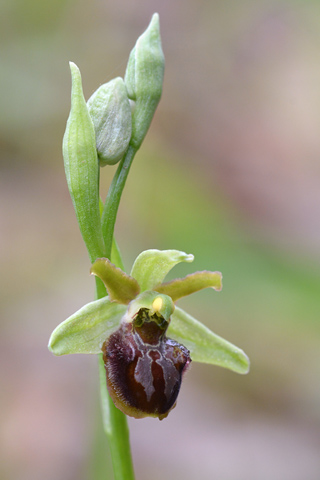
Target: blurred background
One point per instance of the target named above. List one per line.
(230, 171)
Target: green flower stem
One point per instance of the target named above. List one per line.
(109, 214)
(116, 428)
(114, 421)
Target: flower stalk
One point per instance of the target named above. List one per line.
(110, 211)
(116, 429)
(114, 422)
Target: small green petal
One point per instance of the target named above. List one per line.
(204, 345)
(151, 266)
(121, 287)
(180, 287)
(87, 329)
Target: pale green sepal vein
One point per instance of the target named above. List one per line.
(121, 287)
(181, 287)
(151, 266)
(82, 168)
(87, 329)
(204, 345)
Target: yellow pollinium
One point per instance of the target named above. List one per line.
(157, 304)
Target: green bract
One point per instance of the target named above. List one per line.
(144, 79)
(86, 330)
(82, 168)
(110, 110)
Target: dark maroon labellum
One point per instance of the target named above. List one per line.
(144, 367)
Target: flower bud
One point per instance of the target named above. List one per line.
(144, 79)
(110, 110)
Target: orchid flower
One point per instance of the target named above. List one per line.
(146, 340)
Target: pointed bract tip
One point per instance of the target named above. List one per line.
(154, 18)
(154, 25)
(73, 66)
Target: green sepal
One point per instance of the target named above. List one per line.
(87, 329)
(181, 287)
(151, 266)
(121, 288)
(110, 110)
(204, 345)
(144, 79)
(154, 302)
(82, 168)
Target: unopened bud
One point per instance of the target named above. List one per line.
(144, 79)
(110, 110)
